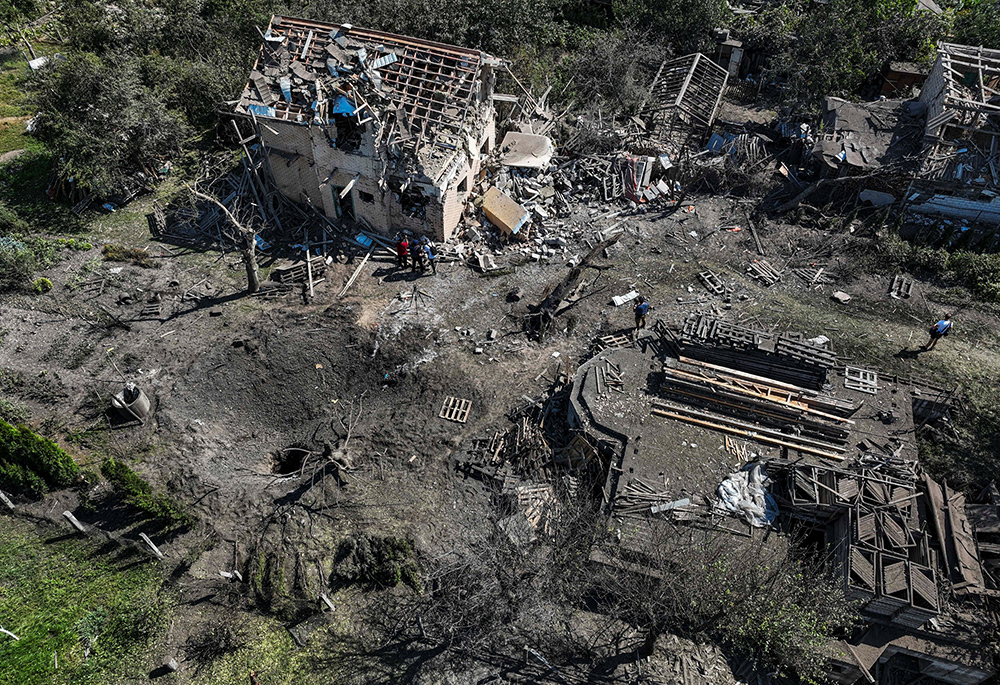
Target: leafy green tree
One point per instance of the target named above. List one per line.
(102, 121)
(978, 23)
(841, 48)
(685, 25)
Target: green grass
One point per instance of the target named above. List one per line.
(57, 595)
(13, 72)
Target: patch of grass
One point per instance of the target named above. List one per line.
(67, 598)
(266, 647)
(41, 285)
(123, 253)
(13, 137)
(23, 185)
(140, 494)
(12, 76)
(39, 388)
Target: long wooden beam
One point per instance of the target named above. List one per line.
(752, 435)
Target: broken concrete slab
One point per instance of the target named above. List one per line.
(841, 297)
(526, 150)
(503, 212)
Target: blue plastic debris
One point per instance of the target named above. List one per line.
(363, 239)
(286, 88)
(262, 111)
(261, 243)
(343, 106)
(108, 207)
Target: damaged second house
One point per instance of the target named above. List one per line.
(382, 129)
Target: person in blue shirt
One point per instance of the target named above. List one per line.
(938, 331)
(429, 253)
(641, 308)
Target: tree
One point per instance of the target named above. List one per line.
(978, 23)
(245, 239)
(841, 48)
(102, 122)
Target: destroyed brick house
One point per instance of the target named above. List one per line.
(837, 443)
(959, 177)
(383, 129)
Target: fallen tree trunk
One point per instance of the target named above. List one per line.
(549, 307)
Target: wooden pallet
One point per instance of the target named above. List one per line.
(152, 310)
(900, 288)
(606, 341)
(712, 282)
(455, 409)
(861, 379)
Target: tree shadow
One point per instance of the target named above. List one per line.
(207, 303)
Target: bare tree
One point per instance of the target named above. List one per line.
(245, 241)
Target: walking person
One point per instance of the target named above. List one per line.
(402, 248)
(429, 254)
(938, 331)
(641, 309)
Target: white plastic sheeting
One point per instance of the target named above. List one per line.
(744, 493)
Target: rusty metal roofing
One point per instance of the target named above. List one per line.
(306, 70)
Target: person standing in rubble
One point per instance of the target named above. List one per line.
(938, 331)
(428, 248)
(641, 309)
(417, 258)
(402, 248)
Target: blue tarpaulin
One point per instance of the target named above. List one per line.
(262, 111)
(343, 106)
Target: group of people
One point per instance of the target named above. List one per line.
(420, 254)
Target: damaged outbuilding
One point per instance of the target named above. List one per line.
(370, 126)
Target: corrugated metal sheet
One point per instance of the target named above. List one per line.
(959, 208)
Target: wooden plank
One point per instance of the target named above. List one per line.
(156, 550)
(6, 501)
(966, 555)
(74, 522)
(750, 434)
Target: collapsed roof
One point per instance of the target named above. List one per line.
(416, 94)
(687, 91)
(962, 94)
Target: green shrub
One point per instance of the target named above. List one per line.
(45, 458)
(380, 561)
(29, 463)
(17, 479)
(12, 412)
(140, 494)
(42, 285)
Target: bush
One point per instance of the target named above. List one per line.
(17, 479)
(12, 412)
(140, 494)
(17, 265)
(29, 463)
(45, 458)
(42, 285)
(380, 561)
